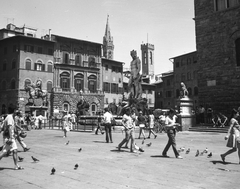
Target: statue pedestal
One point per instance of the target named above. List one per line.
(185, 106)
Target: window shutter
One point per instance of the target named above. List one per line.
(35, 66)
(43, 67)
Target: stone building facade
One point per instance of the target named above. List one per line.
(217, 24)
(112, 76)
(185, 69)
(77, 74)
(24, 60)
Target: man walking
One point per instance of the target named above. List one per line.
(107, 117)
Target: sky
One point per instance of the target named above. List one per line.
(167, 24)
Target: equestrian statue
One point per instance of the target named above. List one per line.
(35, 92)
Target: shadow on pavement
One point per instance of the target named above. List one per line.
(159, 156)
(59, 136)
(2, 168)
(99, 141)
(221, 162)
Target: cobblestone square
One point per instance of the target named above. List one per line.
(102, 166)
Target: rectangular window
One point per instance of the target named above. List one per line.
(114, 88)
(50, 51)
(39, 50)
(4, 66)
(14, 48)
(168, 82)
(5, 50)
(106, 67)
(177, 64)
(224, 4)
(106, 87)
(29, 48)
(106, 100)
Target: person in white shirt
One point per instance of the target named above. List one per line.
(107, 118)
(9, 138)
(170, 125)
(129, 130)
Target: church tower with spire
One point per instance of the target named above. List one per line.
(108, 47)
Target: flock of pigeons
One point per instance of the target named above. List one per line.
(197, 153)
(35, 160)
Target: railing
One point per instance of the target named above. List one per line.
(84, 123)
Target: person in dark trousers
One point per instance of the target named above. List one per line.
(170, 125)
(107, 117)
(99, 121)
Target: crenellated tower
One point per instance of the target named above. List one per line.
(147, 59)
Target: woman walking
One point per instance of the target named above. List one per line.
(233, 136)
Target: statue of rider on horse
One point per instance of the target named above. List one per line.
(35, 92)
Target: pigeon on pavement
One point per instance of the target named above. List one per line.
(197, 153)
(20, 159)
(53, 171)
(149, 144)
(76, 166)
(188, 150)
(80, 149)
(35, 159)
(209, 155)
(67, 143)
(206, 150)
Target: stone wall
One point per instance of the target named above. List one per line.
(219, 75)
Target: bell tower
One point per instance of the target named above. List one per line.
(108, 47)
(147, 59)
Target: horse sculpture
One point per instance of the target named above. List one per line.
(35, 92)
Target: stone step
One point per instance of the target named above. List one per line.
(209, 129)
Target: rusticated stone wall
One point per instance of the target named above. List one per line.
(219, 75)
(59, 98)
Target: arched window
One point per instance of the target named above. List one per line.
(27, 82)
(195, 91)
(28, 64)
(50, 67)
(39, 66)
(65, 81)
(78, 82)
(237, 49)
(93, 109)
(13, 84)
(49, 86)
(92, 83)
(77, 60)
(66, 107)
(189, 91)
(13, 64)
(4, 85)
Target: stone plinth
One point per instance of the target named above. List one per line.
(186, 117)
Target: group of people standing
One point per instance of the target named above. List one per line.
(130, 120)
(69, 122)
